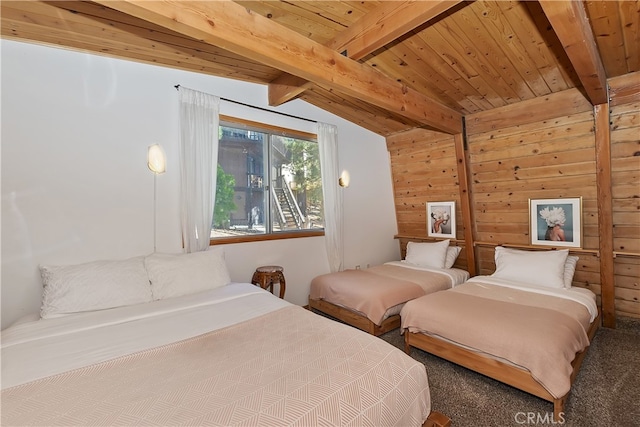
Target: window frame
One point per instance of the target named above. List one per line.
(280, 235)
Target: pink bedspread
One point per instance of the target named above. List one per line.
(540, 333)
(373, 291)
(288, 367)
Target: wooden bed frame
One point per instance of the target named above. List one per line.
(354, 319)
(503, 372)
(437, 419)
(360, 321)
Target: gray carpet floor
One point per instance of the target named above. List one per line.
(606, 391)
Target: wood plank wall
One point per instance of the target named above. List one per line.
(543, 148)
(424, 169)
(625, 174)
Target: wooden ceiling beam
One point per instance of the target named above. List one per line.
(386, 24)
(234, 28)
(571, 24)
(285, 88)
(371, 32)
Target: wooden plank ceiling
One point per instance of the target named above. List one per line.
(388, 66)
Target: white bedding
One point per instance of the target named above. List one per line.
(34, 350)
(457, 275)
(234, 355)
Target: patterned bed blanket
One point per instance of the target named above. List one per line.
(287, 367)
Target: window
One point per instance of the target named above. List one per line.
(268, 183)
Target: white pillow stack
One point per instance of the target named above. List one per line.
(429, 254)
(452, 255)
(184, 274)
(550, 269)
(93, 286)
(569, 270)
(100, 285)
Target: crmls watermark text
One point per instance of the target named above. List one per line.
(533, 418)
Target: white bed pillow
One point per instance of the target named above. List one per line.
(537, 268)
(93, 286)
(452, 255)
(569, 270)
(427, 254)
(174, 275)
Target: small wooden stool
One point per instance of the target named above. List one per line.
(267, 275)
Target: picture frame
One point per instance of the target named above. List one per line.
(556, 222)
(441, 219)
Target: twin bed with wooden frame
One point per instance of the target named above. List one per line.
(169, 341)
(371, 299)
(524, 325)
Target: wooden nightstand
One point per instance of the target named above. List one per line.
(267, 275)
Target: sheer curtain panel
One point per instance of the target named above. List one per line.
(333, 228)
(199, 120)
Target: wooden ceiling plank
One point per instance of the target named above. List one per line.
(486, 81)
(570, 22)
(385, 24)
(412, 55)
(417, 54)
(371, 32)
(532, 42)
(350, 8)
(483, 93)
(353, 111)
(467, 19)
(553, 44)
(404, 65)
(297, 18)
(340, 12)
(495, 23)
(232, 27)
(630, 22)
(473, 44)
(605, 21)
(437, 52)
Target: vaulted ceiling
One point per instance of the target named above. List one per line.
(385, 65)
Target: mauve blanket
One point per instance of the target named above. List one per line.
(539, 333)
(286, 368)
(375, 290)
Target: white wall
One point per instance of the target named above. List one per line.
(76, 188)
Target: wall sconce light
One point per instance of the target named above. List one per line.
(156, 159)
(344, 179)
(157, 163)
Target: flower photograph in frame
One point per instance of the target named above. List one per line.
(441, 219)
(556, 222)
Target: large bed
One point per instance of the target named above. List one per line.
(371, 299)
(521, 326)
(231, 355)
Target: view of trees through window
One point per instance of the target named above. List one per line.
(267, 182)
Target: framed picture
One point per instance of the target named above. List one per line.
(556, 222)
(441, 219)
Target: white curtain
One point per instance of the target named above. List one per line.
(199, 120)
(332, 194)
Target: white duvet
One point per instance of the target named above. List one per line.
(42, 348)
